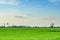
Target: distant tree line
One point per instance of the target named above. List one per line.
(14, 26)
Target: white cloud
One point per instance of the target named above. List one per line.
(53, 1)
(51, 18)
(10, 2)
(19, 17)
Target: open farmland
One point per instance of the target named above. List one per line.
(29, 33)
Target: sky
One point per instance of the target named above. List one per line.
(30, 12)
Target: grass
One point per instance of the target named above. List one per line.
(29, 33)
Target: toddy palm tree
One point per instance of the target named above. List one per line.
(52, 25)
(7, 23)
(4, 24)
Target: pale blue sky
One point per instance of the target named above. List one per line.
(30, 12)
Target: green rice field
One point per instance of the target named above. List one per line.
(29, 33)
